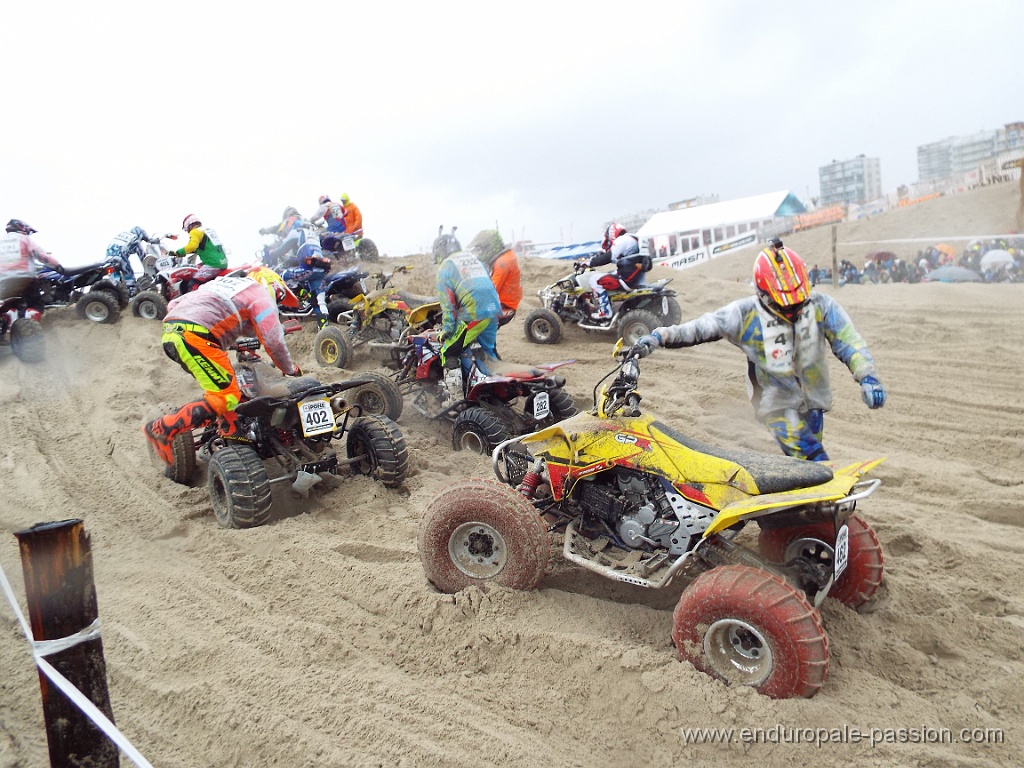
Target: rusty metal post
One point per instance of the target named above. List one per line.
(56, 559)
(835, 259)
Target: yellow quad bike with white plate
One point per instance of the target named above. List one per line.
(380, 319)
(640, 502)
(636, 311)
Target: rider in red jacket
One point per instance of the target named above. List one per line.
(19, 250)
(199, 329)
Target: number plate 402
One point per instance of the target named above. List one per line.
(316, 417)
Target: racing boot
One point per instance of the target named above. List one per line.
(230, 428)
(453, 385)
(604, 306)
(320, 310)
(161, 432)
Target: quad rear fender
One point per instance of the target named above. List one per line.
(837, 488)
(552, 366)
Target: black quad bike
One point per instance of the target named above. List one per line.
(97, 291)
(291, 426)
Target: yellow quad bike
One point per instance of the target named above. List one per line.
(635, 311)
(380, 319)
(640, 502)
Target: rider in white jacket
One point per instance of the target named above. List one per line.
(622, 249)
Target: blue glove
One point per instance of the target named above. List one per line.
(872, 391)
(646, 344)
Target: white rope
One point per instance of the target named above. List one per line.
(41, 648)
(50, 647)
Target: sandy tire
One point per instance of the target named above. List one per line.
(562, 404)
(99, 306)
(149, 305)
(124, 296)
(478, 533)
(379, 444)
(380, 396)
(637, 323)
(747, 626)
(239, 488)
(332, 347)
(674, 316)
(862, 578)
(27, 340)
(542, 326)
(183, 467)
(478, 430)
(337, 307)
(367, 250)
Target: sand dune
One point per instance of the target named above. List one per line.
(316, 640)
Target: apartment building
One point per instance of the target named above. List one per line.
(850, 181)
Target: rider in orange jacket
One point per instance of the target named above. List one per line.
(353, 216)
(503, 267)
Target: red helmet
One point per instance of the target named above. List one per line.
(325, 199)
(191, 221)
(780, 277)
(610, 234)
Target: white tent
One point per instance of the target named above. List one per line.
(741, 210)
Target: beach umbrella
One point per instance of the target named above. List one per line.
(953, 275)
(880, 256)
(996, 256)
(947, 249)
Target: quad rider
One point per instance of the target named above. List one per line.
(469, 313)
(199, 329)
(783, 331)
(622, 249)
(503, 267)
(289, 220)
(330, 214)
(353, 216)
(206, 244)
(21, 253)
(125, 245)
(445, 245)
(304, 243)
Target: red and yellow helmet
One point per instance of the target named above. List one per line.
(780, 277)
(278, 289)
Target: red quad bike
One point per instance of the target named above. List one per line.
(291, 426)
(19, 322)
(169, 283)
(501, 399)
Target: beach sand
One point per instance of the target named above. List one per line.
(317, 641)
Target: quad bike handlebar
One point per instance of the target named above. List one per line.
(620, 397)
(383, 278)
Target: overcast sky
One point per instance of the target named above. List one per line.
(547, 118)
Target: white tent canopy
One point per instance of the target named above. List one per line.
(743, 209)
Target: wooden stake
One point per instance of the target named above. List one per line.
(56, 559)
